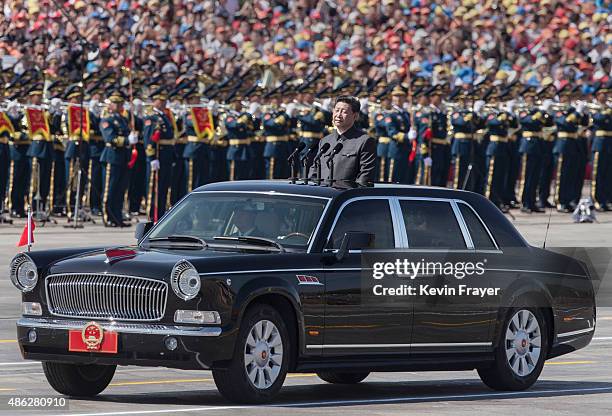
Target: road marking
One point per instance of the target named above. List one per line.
(354, 402)
(7, 341)
(569, 362)
(602, 339)
(21, 363)
(2, 389)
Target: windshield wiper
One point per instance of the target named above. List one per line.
(253, 240)
(180, 239)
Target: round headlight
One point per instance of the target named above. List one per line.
(185, 280)
(24, 273)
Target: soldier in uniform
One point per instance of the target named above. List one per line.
(398, 126)
(602, 150)
(116, 133)
(566, 150)
(465, 122)
(276, 125)
(380, 134)
(137, 167)
(423, 131)
(159, 141)
(40, 151)
(311, 122)
(20, 169)
(514, 160)
(178, 186)
(240, 131)
(96, 146)
(548, 142)
(532, 121)
(58, 169)
(197, 148)
(76, 154)
(7, 130)
(497, 124)
(439, 155)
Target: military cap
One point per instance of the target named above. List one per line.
(604, 88)
(116, 96)
(36, 89)
(529, 91)
(72, 91)
(398, 91)
(159, 94)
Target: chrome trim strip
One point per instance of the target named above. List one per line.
(467, 238)
(419, 345)
(535, 271)
(154, 329)
(321, 269)
(401, 240)
(577, 332)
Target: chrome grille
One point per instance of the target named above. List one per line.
(102, 296)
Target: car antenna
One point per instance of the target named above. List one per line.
(547, 227)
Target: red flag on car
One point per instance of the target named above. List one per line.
(27, 235)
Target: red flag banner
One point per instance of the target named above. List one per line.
(27, 238)
(202, 122)
(38, 123)
(78, 118)
(5, 124)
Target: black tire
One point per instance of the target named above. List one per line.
(78, 380)
(500, 375)
(233, 381)
(342, 378)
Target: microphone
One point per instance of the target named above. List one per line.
(314, 146)
(298, 150)
(334, 152)
(323, 149)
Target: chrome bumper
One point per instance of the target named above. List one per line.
(129, 328)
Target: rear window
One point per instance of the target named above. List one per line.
(431, 225)
(478, 232)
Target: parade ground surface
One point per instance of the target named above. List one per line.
(577, 383)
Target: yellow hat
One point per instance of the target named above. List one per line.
(376, 40)
(299, 66)
(547, 81)
(501, 75)
(512, 10)
(583, 25)
(564, 34)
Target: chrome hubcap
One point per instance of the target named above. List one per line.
(263, 354)
(523, 342)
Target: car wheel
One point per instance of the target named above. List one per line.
(520, 352)
(78, 380)
(342, 378)
(261, 358)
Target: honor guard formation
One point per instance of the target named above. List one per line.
(117, 109)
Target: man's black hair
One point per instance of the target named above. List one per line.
(350, 100)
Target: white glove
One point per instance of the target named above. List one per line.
(580, 107)
(478, 105)
(133, 137)
(155, 165)
(427, 161)
(546, 104)
(55, 105)
(510, 106)
(412, 134)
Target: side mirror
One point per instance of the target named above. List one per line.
(354, 241)
(141, 229)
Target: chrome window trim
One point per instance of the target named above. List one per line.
(269, 193)
(362, 198)
(462, 225)
(398, 222)
(460, 201)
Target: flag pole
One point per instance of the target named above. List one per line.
(29, 227)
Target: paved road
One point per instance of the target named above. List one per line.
(573, 384)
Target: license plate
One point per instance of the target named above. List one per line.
(92, 338)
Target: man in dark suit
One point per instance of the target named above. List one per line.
(356, 160)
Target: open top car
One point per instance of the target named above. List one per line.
(255, 279)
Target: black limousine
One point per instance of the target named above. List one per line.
(255, 279)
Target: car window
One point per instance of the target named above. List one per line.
(480, 236)
(431, 224)
(370, 216)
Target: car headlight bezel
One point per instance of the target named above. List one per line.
(185, 280)
(23, 273)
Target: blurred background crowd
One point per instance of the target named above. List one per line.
(511, 39)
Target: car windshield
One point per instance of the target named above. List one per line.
(284, 219)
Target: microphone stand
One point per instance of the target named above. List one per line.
(330, 164)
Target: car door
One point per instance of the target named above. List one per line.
(356, 322)
(445, 318)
